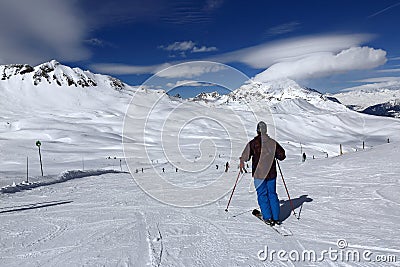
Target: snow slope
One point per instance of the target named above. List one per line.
(76, 114)
(368, 95)
(108, 219)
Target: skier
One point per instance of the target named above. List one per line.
(304, 157)
(263, 150)
(226, 166)
(163, 170)
(216, 166)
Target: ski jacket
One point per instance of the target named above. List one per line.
(263, 150)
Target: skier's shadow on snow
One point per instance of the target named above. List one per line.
(286, 208)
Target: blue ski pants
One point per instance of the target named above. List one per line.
(267, 198)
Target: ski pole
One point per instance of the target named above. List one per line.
(233, 190)
(284, 183)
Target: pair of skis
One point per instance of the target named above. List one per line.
(280, 229)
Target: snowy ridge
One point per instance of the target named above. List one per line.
(360, 99)
(54, 72)
(273, 92)
(389, 109)
(27, 89)
(269, 93)
(63, 177)
(207, 97)
(280, 96)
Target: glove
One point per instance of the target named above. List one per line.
(241, 165)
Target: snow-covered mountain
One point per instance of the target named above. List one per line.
(53, 72)
(54, 86)
(360, 99)
(207, 97)
(284, 96)
(273, 92)
(389, 109)
(64, 107)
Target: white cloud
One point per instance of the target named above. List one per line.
(264, 55)
(186, 46)
(188, 83)
(389, 70)
(203, 49)
(325, 63)
(392, 84)
(123, 69)
(190, 70)
(179, 46)
(388, 82)
(36, 31)
(98, 42)
(161, 70)
(379, 79)
(283, 28)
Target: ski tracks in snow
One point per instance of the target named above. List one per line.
(182, 238)
(98, 228)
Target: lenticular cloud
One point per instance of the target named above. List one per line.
(325, 63)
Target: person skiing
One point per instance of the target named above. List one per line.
(263, 150)
(304, 156)
(226, 166)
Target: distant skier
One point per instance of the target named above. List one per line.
(163, 170)
(263, 150)
(216, 166)
(142, 169)
(176, 169)
(226, 166)
(304, 156)
(388, 141)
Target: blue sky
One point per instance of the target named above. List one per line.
(327, 45)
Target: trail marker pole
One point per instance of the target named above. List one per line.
(27, 170)
(38, 144)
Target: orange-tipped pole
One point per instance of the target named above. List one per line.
(291, 202)
(233, 190)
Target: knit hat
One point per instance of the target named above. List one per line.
(262, 127)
